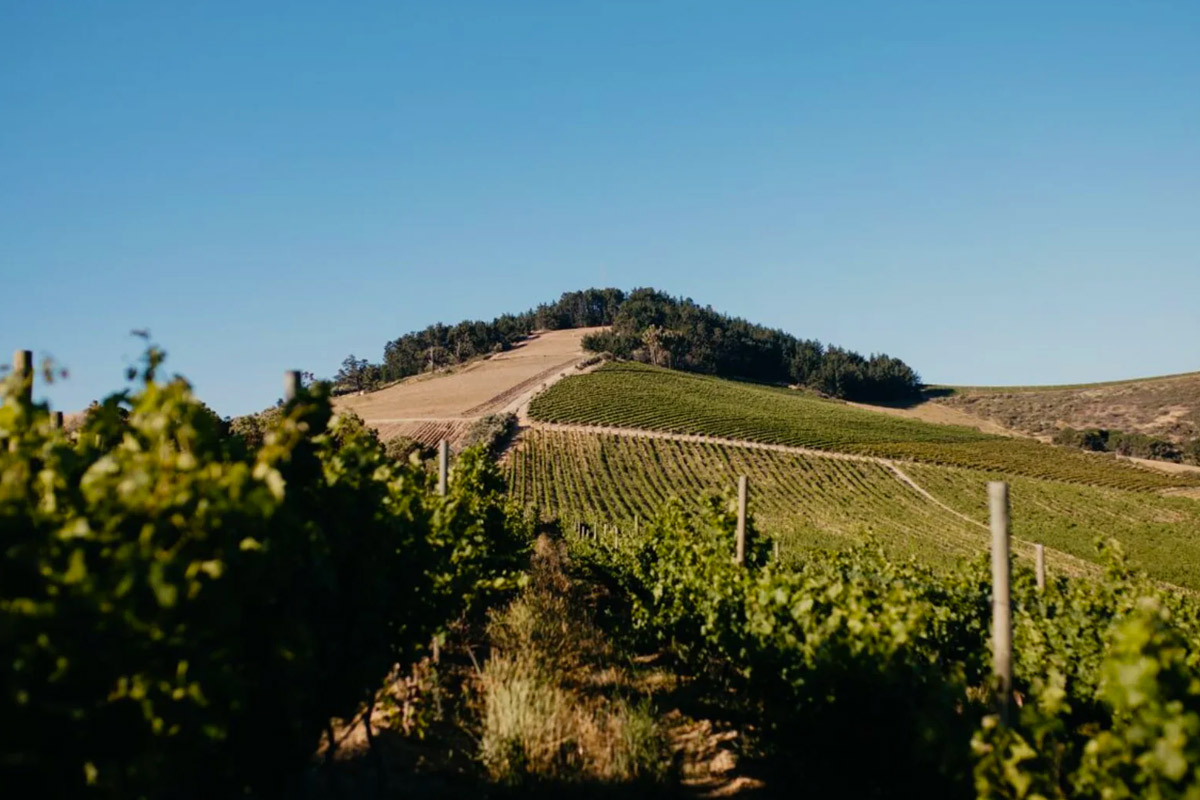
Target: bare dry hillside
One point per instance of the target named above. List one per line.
(1167, 407)
(443, 404)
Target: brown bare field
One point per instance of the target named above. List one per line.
(442, 404)
(940, 414)
(1168, 407)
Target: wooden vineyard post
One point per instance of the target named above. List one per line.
(443, 466)
(435, 646)
(23, 366)
(1001, 603)
(291, 384)
(740, 555)
(56, 419)
(1039, 555)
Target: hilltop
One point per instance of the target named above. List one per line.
(652, 327)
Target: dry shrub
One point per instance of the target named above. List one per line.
(537, 730)
(557, 704)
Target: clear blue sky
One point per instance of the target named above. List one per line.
(995, 192)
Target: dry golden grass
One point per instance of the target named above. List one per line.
(558, 704)
(940, 414)
(1167, 407)
(481, 387)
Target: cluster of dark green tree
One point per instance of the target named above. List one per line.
(445, 345)
(183, 611)
(1138, 445)
(866, 677)
(654, 327)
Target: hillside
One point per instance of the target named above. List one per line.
(1167, 407)
(442, 405)
(608, 448)
(651, 327)
(638, 396)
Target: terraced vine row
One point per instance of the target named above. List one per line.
(803, 501)
(1160, 534)
(427, 432)
(639, 396)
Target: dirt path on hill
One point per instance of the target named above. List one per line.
(1169, 467)
(520, 405)
(398, 420)
(921, 490)
(703, 439)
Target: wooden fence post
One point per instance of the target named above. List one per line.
(1039, 555)
(23, 366)
(291, 384)
(1001, 603)
(740, 555)
(443, 466)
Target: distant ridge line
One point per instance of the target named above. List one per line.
(1059, 387)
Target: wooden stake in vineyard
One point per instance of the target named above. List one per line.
(291, 384)
(1039, 555)
(23, 366)
(1001, 602)
(740, 555)
(435, 646)
(443, 466)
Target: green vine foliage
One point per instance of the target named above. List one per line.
(181, 615)
(847, 658)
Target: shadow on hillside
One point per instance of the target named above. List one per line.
(926, 396)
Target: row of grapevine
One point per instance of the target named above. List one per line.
(871, 679)
(638, 396)
(426, 432)
(182, 615)
(1157, 532)
(804, 501)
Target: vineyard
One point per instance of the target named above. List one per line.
(1158, 533)
(184, 614)
(804, 501)
(808, 501)
(850, 659)
(638, 396)
(424, 431)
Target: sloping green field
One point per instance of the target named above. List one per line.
(1062, 498)
(804, 501)
(1160, 534)
(812, 501)
(638, 396)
